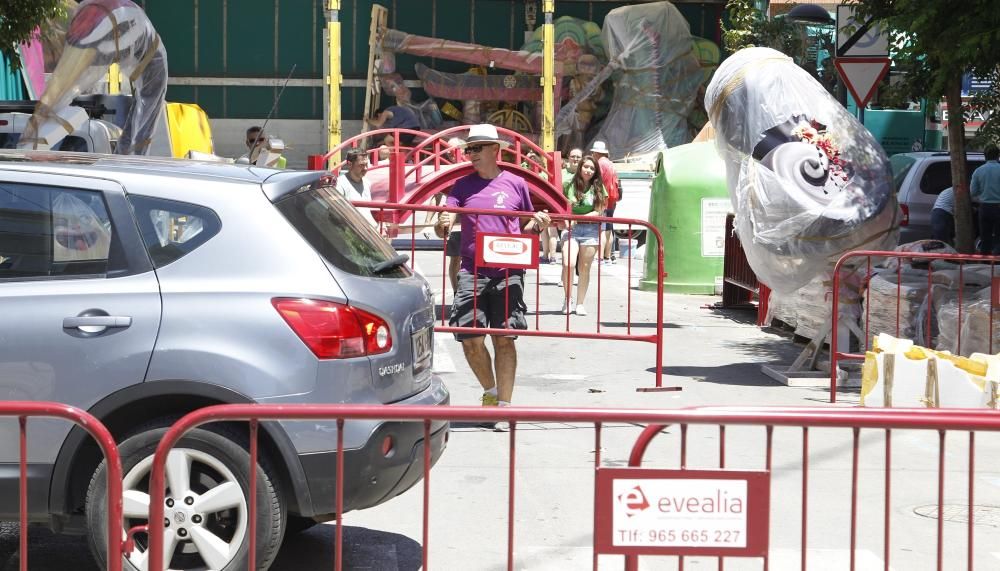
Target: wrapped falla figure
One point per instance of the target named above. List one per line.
(807, 181)
(103, 32)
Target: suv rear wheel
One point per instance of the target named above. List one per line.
(207, 507)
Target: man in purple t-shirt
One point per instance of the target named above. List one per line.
(489, 297)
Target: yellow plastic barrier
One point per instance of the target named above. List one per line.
(189, 129)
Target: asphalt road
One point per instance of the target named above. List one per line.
(364, 550)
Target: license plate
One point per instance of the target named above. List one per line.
(422, 349)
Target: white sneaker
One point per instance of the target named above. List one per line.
(581, 310)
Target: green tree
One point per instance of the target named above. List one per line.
(18, 21)
(749, 27)
(935, 42)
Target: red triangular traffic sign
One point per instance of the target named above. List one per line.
(862, 75)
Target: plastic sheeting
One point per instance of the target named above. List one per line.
(656, 79)
(808, 182)
(401, 42)
(101, 33)
(464, 86)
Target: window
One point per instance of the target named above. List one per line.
(170, 229)
(70, 143)
(340, 233)
(901, 165)
(51, 232)
(937, 177)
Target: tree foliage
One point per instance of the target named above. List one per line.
(749, 27)
(935, 42)
(18, 21)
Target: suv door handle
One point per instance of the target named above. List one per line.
(96, 321)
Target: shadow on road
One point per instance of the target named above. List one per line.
(364, 550)
(743, 374)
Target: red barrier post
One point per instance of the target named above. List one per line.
(798, 417)
(26, 409)
(835, 354)
(316, 162)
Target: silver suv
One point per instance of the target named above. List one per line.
(919, 179)
(142, 289)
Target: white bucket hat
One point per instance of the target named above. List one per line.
(484, 133)
(599, 147)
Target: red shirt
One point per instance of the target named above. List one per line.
(610, 179)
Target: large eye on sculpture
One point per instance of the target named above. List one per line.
(805, 166)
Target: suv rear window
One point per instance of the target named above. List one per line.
(339, 232)
(937, 176)
(901, 164)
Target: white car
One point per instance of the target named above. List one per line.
(94, 136)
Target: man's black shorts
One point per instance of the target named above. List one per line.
(499, 303)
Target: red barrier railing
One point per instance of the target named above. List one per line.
(739, 282)
(433, 150)
(960, 260)
(938, 422)
(655, 338)
(24, 410)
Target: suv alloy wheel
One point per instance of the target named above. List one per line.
(206, 507)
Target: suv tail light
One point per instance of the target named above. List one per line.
(905, 220)
(334, 330)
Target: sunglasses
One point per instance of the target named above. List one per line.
(475, 148)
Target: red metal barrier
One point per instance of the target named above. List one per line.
(959, 259)
(383, 209)
(25, 409)
(938, 422)
(739, 282)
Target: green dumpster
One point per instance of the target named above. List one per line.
(688, 205)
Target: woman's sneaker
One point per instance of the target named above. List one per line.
(581, 310)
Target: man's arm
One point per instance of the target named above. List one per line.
(977, 186)
(444, 223)
(380, 119)
(539, 221)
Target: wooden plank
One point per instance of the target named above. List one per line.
(373, 90)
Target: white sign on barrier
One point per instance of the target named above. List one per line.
(682, 512)
(515, 251)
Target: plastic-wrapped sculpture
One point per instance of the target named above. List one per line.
(808, 182)
(103, 32)
(656, 79)
(580, 48)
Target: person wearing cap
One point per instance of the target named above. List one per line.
(613, 189)
(489, 297)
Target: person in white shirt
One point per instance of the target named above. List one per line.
(943, 216)
(352, 184)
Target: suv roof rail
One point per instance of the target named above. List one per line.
(947, 154)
